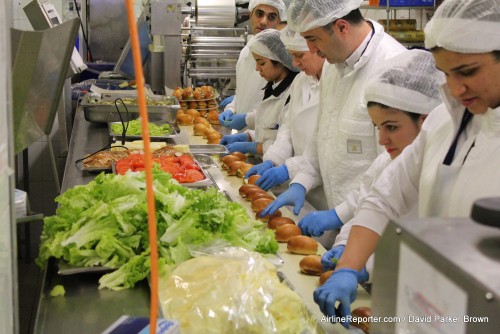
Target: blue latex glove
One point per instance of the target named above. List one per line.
(226, 101)
(295, 195)
(341, 286)
(248, 147)
(273, 177)
(327, 260)
(259, 169)
(237, 121)
(314, 224)
(225, 116)
(236, 138)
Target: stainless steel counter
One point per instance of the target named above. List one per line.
(85, 309)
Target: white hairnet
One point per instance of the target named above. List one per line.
(278, 4)
(268, 44)
(304, 15)
(293, 40)
(408, 82)
(465, 26)
(287, 4)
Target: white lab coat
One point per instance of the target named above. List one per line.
(249, 84)
(346, 142)
(267, 118)
(298, 131)
(420, 175)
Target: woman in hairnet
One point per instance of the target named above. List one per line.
(398, 99)
(275, 65)
(454, 161)
(300, 122)
(264, 14)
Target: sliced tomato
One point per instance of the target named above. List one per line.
(186, 160)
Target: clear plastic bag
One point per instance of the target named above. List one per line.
(232, 291)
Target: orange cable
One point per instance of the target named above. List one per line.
(139, 78)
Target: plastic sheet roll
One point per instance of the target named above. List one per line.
(219, 13)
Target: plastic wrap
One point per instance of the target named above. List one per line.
(233, 291)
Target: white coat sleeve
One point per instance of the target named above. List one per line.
(233, 105)
(284, 110)
(395, 192)
(350, 205)
(250, 120)
(304, 169)
(282, 148)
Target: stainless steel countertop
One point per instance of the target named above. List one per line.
(86, 309)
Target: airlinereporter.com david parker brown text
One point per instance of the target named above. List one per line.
(406, 318)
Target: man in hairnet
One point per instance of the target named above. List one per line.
(346, 140)
(264, 14)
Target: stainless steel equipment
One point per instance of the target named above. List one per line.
(437, 276)
(198, 42)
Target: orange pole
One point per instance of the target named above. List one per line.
(139, 78)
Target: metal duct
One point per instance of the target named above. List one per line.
(219, 13)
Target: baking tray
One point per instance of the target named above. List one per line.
(171, 134)
(208, 149)
(96, 112)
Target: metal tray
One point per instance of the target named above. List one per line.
(208, 149)
(207, 182)
(65, 269)
(205, 161)
(96, 112)
(171, 134)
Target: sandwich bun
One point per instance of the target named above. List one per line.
(303, 245)
(261, 204)
(274, 222)
(324, 276)
(266, 218)
(311, 265)
(286, 232)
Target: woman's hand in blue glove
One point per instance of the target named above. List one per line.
(226, 101)
(236, 138)
(225, 116)
(247, 147)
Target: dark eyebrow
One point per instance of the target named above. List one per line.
(389, 121)
(461, 67)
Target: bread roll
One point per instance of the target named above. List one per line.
(324, 276)
(208, 131)
(267, 218)
(233, 167)
(227, 160)
(240, 155)
(253, 192)
(193, 112)
(286, 232)
(252, 179)
(246, 187)
(213, 117)
(213, 136)
(199, 129)
(214, 141)
(244, 169)
(311, 265)
(185, 119)
(256, 196)
(261, 204)
(274, 222)
(303, 245)
(365, 313)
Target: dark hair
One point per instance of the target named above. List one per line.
(414, 116)
(354, 17)
(495, 53)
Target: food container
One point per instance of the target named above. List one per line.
(171, 134)
(101, 108)
(208, 149)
